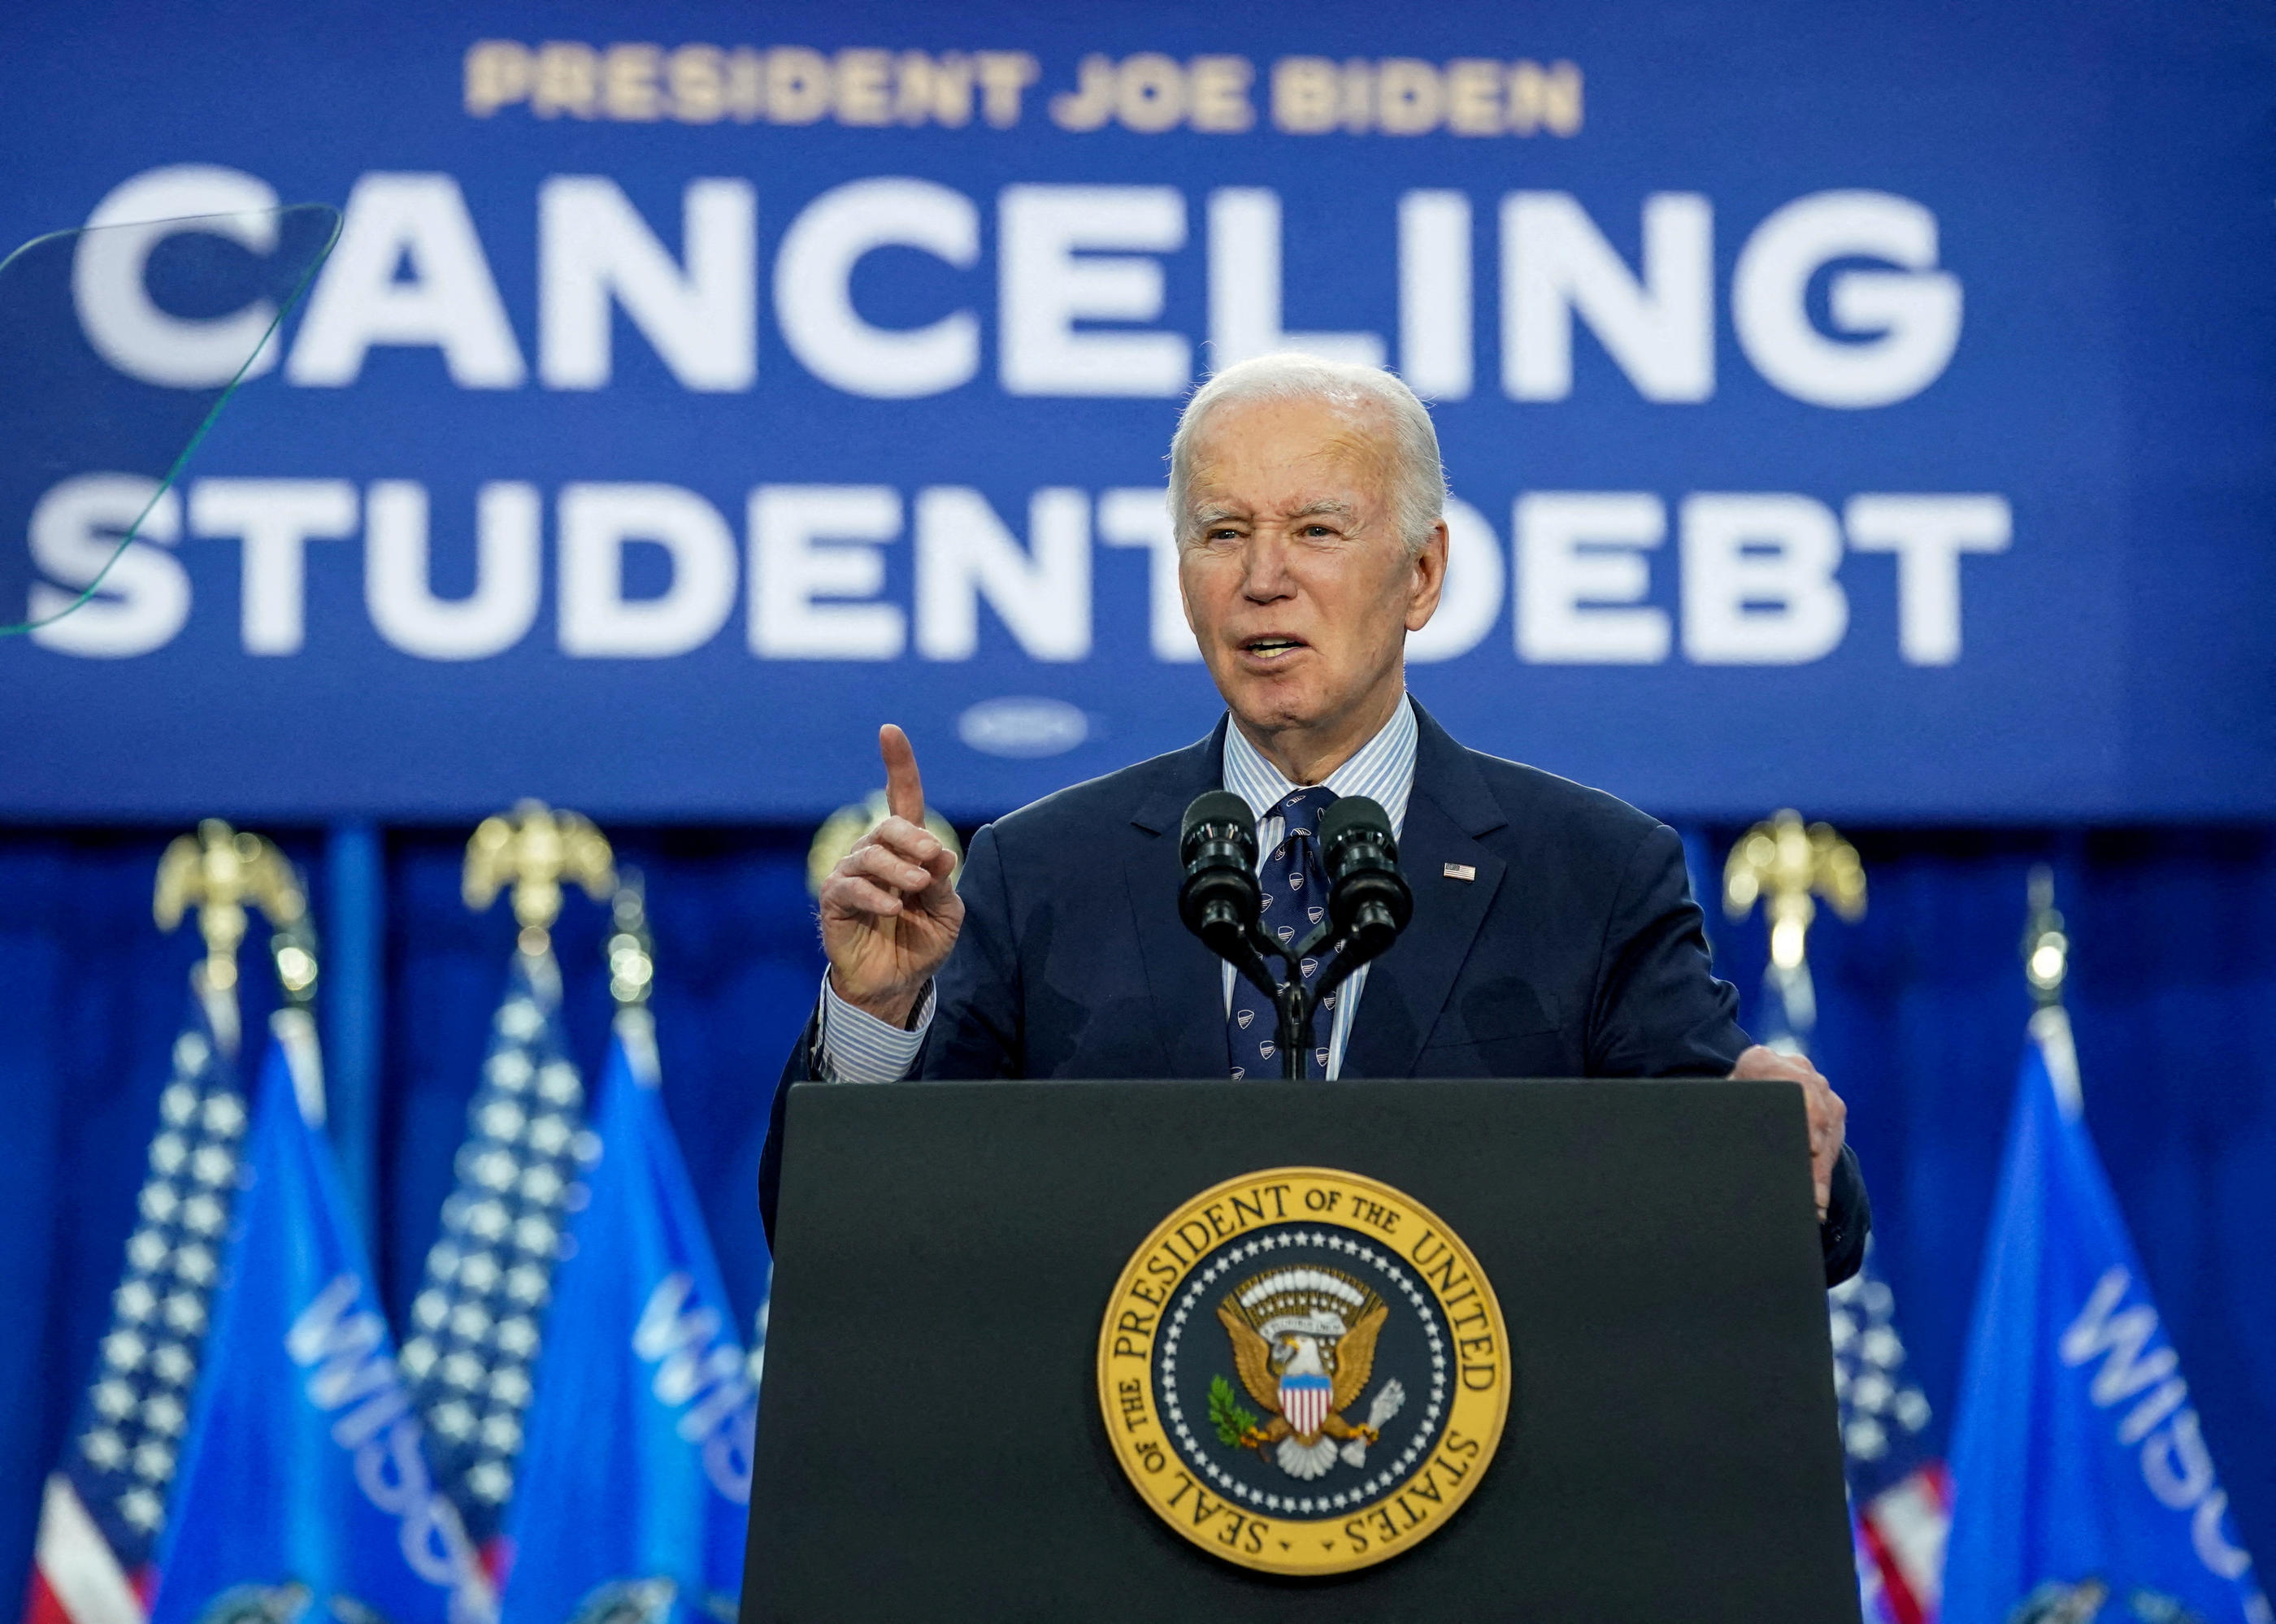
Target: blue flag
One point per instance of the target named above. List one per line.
(636, 1470)
(305, 1491)
(2082, 1488)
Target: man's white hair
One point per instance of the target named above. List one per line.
(1418, 479)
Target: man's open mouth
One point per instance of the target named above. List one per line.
(1269, 646)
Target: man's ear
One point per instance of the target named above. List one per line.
(1426, 579)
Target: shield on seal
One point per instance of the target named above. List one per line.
(1304, 1401)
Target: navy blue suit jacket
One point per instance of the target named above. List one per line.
(1575, 951)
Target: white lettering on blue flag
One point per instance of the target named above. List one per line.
(700, 1373)
(2175, 1464)
(344, 1348)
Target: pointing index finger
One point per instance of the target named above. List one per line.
(904, 788)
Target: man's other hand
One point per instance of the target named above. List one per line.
(889, 913)
(1828, 1116)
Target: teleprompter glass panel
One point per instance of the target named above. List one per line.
(119, 345)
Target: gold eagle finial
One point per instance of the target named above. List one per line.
(533, 849)
(1783, 862)
(217, 871)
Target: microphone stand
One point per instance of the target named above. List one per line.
(1368, 904)
(1294, 1003)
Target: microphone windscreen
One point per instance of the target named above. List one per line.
(1216, 806)
(1354, 814)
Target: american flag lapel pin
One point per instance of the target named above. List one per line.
(1460, 871)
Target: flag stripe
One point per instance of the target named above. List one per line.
(75, 1563)
(1909, 1524)
(1896, 1590)
(40, 1603)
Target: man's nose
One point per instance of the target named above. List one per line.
(1266, 578)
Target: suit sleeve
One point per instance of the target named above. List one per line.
(799, 1069)
(1660, 1012)
(975, 1024)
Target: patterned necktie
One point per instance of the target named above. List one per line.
(1296, 900)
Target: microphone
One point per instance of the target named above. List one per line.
(1367, 898)
(1218, 897)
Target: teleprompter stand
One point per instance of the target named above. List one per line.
(930, 1442)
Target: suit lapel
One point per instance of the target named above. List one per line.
(1184, 980)
(1409, 986)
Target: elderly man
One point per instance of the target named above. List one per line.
(1553, 935)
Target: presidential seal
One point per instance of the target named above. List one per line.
(1303, 1372)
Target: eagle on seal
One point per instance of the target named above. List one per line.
(1303, 1340)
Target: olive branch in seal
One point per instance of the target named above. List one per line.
(1231, 1422)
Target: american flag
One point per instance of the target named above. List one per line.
(476, 1322)
(1898, 1486)
(105, 1507)
(1899, 1493)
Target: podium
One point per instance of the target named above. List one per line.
(931, 1440)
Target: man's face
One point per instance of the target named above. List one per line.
(1295, 580)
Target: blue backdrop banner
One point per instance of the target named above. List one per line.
(1838, 398)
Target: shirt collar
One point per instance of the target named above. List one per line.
(1383, 770)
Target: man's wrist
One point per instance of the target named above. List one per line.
(854, 1045)
(896, 1009)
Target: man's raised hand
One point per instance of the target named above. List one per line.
(889, 913)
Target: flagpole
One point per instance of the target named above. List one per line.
(354, 923)
(293, 951)
(2046, 966)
